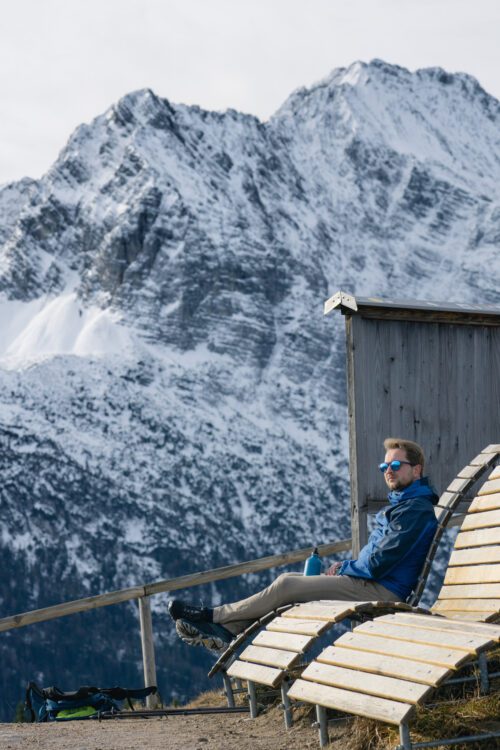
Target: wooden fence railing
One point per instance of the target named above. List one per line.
(143, 593)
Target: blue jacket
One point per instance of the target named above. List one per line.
(398, 545)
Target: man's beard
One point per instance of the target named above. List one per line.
(399, 484)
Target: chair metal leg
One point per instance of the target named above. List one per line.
(228, 689)
(404, 736)
(252, 699)
(323, 725)
(484, 681)
(287, 708)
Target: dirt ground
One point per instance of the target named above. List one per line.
(206, 732)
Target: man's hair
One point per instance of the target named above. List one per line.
(414, 452)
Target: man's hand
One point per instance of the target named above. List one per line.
(333, 569)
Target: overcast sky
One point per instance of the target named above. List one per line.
(62, 62)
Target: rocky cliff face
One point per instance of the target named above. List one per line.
(171, 397)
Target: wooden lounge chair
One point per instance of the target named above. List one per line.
(290, 632)
(385, 667)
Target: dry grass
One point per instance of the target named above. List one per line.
(209, 699)
(450, 719)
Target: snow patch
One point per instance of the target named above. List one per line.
(51, 326)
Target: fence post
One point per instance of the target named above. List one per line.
(148, 648)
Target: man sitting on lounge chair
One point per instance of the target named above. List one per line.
(387, 568)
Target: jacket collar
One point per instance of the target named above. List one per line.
(418, 488)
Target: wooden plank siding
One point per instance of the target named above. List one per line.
(432, 382)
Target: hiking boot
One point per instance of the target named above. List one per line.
(180, 611)
(216, 640)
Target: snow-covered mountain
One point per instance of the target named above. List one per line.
(171, 398)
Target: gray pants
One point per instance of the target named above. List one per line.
(289, 588)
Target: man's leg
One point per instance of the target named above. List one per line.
(289, 588)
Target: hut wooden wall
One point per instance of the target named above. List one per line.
(437, 383)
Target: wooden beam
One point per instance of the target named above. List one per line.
(341, 300)
(70, 608)
(424, 316)
(359, 516)
(148, 648)
(172, 584)
(230, 571)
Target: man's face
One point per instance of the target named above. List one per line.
(398, 480)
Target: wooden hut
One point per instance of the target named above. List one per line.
(426, 371)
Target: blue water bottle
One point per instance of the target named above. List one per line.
(313, 564)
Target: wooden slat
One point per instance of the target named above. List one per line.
(495, 474)
(285, 641)
(320, 611)
(473, 574)
(478, 538)
(443, 623)
(492, 485)
(458, 485)
(485, 520)
(362, 682)
(444, 657)
(467, 642)
(443, 518)
(469, 471)
(448, 499)
(466, 605)
(440, 513)
(475, 556)
(392, 712)
(480, 618)
(483, 458)
(305, 627)
(271, 657)
(471, 591)
(492, 448)
(405, 669)
(245, 670)
(485, 502)
(331, 610)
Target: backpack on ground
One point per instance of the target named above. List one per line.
(53, 704)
